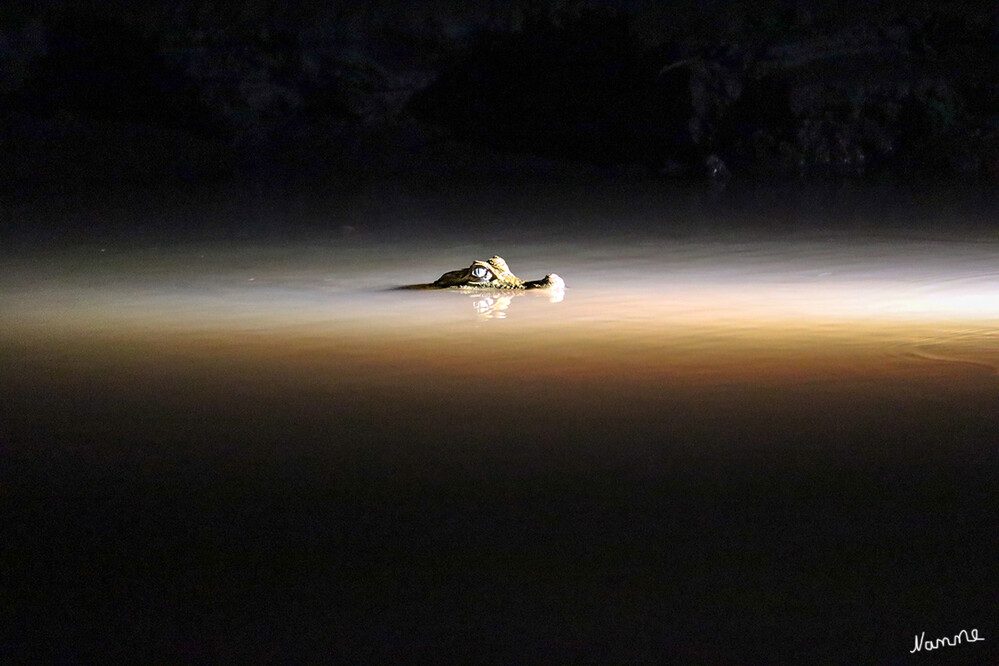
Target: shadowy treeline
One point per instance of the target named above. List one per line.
(198, 89)
(780, 93)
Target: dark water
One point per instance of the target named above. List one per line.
(719, 447)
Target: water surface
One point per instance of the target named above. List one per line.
(739, 447)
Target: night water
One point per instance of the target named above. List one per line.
(722, 444)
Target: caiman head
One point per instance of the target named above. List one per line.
(493, 274)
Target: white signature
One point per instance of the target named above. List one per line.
(963, 636)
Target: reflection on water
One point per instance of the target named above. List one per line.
(734, 451)
(494, 303)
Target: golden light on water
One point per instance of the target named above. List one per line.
(763, 313)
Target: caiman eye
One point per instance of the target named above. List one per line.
(479, 273)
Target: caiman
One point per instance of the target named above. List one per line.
(492, 274)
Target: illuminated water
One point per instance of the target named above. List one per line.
(738, 447)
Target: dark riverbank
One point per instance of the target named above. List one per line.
(188, 92)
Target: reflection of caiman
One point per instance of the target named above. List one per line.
(492, 274)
